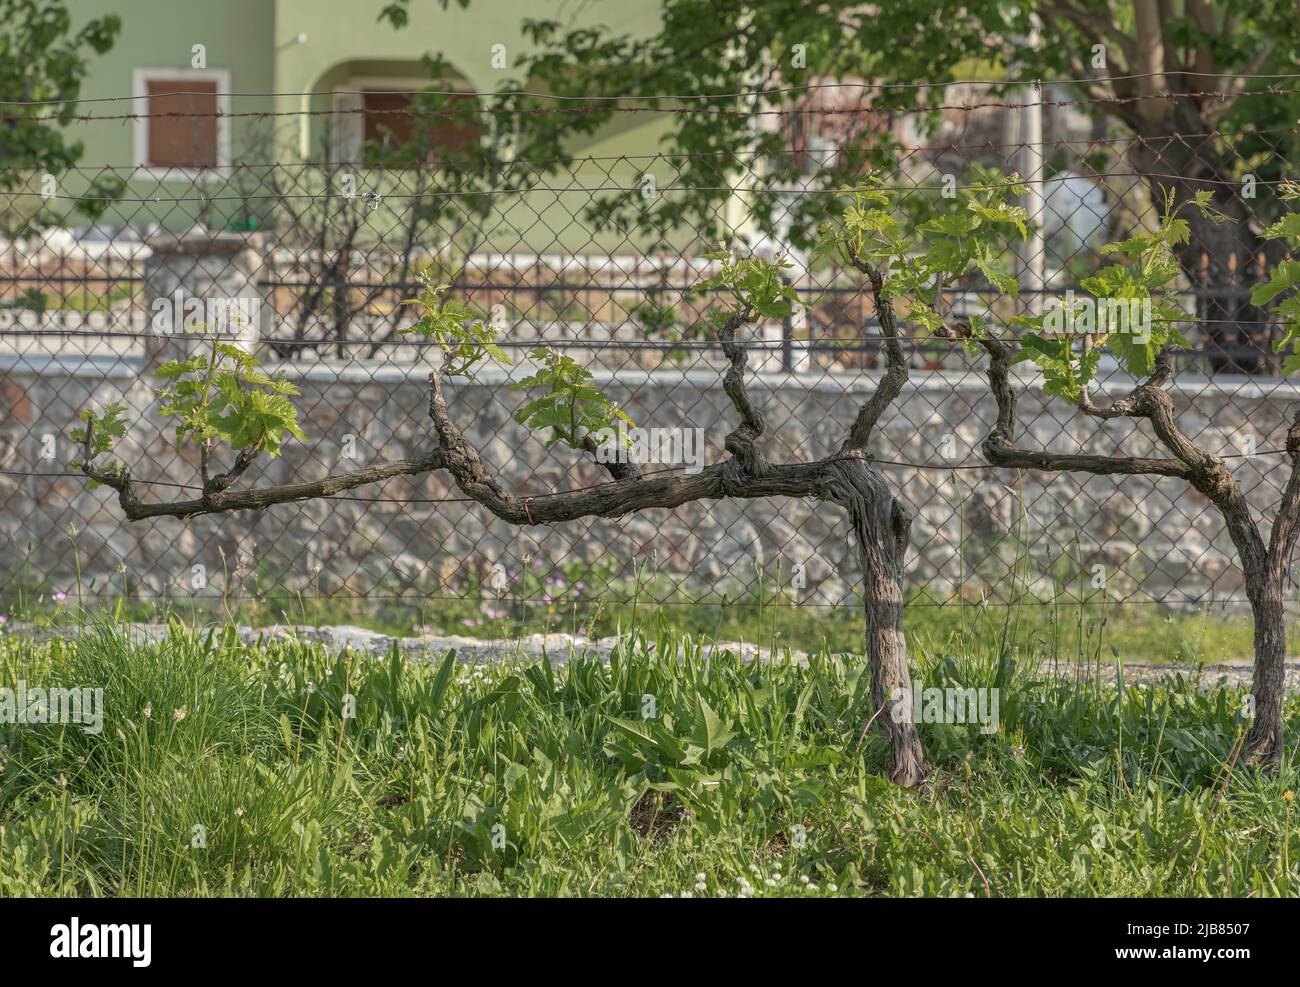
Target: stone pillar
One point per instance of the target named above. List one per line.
(200, 283)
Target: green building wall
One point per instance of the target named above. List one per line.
(299, 47)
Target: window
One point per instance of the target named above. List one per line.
(179, 131)
(373, 115)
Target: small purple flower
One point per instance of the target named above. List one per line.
(60, 596)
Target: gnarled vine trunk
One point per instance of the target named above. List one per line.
(1265, 593)
(880, 528)
(880, 523)
(1263, 562)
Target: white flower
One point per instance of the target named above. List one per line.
(148, 711)
(178, 715)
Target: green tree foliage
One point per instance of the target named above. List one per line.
(42, 64)
(706, 52)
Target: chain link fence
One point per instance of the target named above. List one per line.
(98, 288)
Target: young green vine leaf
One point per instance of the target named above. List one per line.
(98, 434)
(464, 336)
(753, 285)
(224, 396)
(1131, 314)
(920, 261)
(572, 406)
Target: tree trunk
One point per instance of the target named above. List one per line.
(1263, 578)
(1265, 591)
(881, 527)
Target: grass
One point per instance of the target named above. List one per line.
(224, 769)
(1140, 632)
(596, 599)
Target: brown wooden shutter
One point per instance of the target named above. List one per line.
(183, 141)
(446, 134)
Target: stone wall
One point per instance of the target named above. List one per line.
(1155, 538)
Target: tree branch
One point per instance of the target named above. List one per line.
(1199, 467)
(619, 470)
(1000, 448)
(246, 457)
(740, 442)
(219, 502)
(891, 385)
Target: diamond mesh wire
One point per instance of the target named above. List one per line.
(330, 252)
